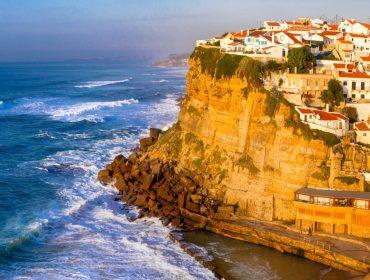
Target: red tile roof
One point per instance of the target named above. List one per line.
(241, 34)
(358, 35)
(333, 26)
(272, 23)
(366, 58)
(363, 126)
(257, 33)
(367, 25)
(330, 33)
(324, 116)
(343, 66)
(344, 41)
(303, 28)
(358, 75)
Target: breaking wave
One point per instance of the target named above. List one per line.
(160, 81)
(93, 84)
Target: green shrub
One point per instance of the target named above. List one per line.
(208, 58)
(247, 162)
(193, 111)
(227, 65)
(348, 180)
(351, 113)
(197, 162)
(323, 174)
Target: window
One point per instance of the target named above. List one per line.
(353, 95)
(353, 85)
(364, 134)
(363, 96)
(345, 83)
(362, 85)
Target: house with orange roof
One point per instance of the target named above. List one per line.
(272, 26)
(361, 28)
(345, 49)
(304, 30)
(288, 39)
(362, 130)
(288, 24)
(331, 122)
(346, 26)
(356, 85)
(364, 64)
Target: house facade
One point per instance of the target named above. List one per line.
(356, 85)
(362, 130)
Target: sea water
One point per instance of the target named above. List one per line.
(59, 124)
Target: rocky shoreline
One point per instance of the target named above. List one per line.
(178, 198)
(159, 190)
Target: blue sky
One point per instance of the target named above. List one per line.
(33, 30)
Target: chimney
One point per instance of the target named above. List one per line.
(248, 32)
(327, 108)
(273, 37)
(241, 32)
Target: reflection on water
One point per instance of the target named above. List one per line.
(234, 259)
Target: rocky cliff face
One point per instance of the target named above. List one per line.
(241, 150)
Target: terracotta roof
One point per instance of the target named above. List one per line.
(358, 75)
(303, 28)
(257, 33)
(344, 41)
(365, 58)
(273, 23)
(324, 116)
(363, 126)
(354, 35)
(333, 26)
(334, 193)
(343, 66)
(305, 110)
(292, 37)
(292, 22)
(241, 34)
(330, 33)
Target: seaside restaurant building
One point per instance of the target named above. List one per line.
(333, 211)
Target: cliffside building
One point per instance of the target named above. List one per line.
(362, 130)
(331, 122)
(332, 211)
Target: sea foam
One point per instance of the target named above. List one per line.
(93, 84)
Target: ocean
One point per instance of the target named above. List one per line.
(59, 124)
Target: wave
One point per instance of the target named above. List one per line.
(1, 102)
(160, 81)
(75, 112)
(93, 84)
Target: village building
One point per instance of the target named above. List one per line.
(307, 85)
(333, 211)
(344, 49)
(331, 122)
(356, 85)
(362, 130)
(364, 64)
(288, 39)
(272, 26)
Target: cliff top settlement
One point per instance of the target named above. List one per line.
(342, 53)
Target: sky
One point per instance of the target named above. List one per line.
(53, 30)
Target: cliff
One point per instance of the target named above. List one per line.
(248, 144)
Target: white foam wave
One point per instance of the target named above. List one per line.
(93, 84)
(75, 112)
(160, 81)
(1, 102)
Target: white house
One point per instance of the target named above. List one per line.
(346, 26)
(361, 42)
(276, 51)
(225, 40)
(356, 85)
(272, 26)
(331, 122)
(361, 28)
(235, 47)
(364, 64)
(288, 39)
(362, 130)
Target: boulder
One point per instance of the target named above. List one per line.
(147, 181)
(104, 176)
(146, 142)
(196, 198)
(155, 132)
(120, 184)
(192, 207)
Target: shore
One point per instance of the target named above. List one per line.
(180, 200)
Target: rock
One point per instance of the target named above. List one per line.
(118, 159)
(192, 207)
(155, 132)
(146, 142)
(196, 198)
(104, 176)
(181, 200)
(147, 181)
(225, 211)
(120, 184)
(141, 200)
(156, 168)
